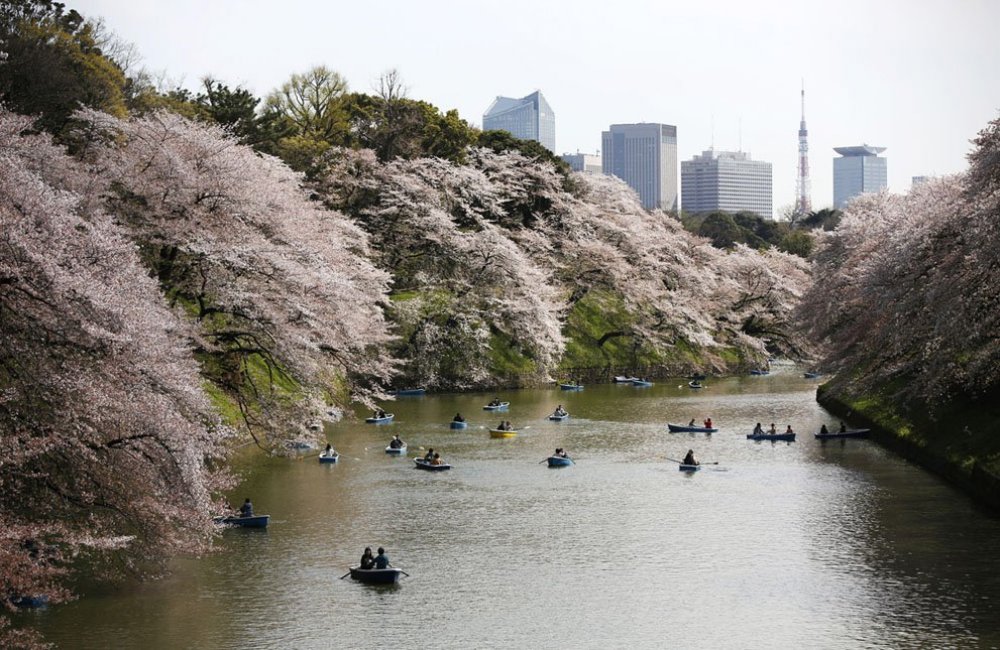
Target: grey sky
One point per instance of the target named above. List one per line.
(920, 77)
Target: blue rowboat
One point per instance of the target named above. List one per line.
(678, 428)
(429, 466)
(854, 433)
(760, 372)
(388, 418)
(571, 386)
(30, 602)
(388, 576)
(332, 458)
(788, 437)
(558, 418)
(411, 391)
(622, 379)
(688, 468)
(396, 451)
(459, 425)
(559, 461)
(502, 406)
(641, 383)
(256, 521)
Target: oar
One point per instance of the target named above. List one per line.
(345, 575)
(404, 573)
(675, 460)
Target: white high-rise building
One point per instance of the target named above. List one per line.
(644, 156)
(857, 171)
(583, 162)
(527, 118)
(729, 181)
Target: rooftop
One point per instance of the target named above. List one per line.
(860, 150)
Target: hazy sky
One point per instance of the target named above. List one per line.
(920, 77)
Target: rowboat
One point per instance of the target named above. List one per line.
(396, 451)
(641, 383)
(30, 602)
(382, 420)
(854, 433)
(697, 377)
(502, 406)
(622, 379)
(760, 372)
(558, 418)
(428, 465)
(771, 436)
(256, 521)
(411, 391)
(559, 461)
(688, 468)
(571, 386)
(695, 384)
(332, 458)
(388, 576)
(503, 433)
(811, 375)
(678, 428)
(459, 425)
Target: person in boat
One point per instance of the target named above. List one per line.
(758, 430)
(246, 510)
(691, 423)
(395, 443)
(708, 423)
(429, 456)
(561, 453)
(436, 460)
(560, 411)
(458, 418)
(329, 451)
(502, 426)
(773, 430)
(379, 414)
(789, 429)
(689, 459)
(843, 428)
(495, 401)
(381, 560)
(823, 429)
(367, 559)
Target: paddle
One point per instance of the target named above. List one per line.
(345, 575)
(404, 573)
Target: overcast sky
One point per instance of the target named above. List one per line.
(920, 77)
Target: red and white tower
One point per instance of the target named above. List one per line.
(803, 205)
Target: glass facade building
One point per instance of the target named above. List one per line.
(644, 156)
(728, 181)
(527, 118)
(858, 170)
(583, 162)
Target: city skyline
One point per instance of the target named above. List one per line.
(730, 74)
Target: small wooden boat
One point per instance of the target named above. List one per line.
(811, 375)
(853, 433)
(256, 521)
(622, 379)
(332, 458)
(558, 418)
(396, 451)
(382, 420)
(559, 461)
(571, 386)
(788, 437)
(688, 468)
(455, 424)
(695, 384)
(410, 392)
(428, 465)
(642, 383)
(760, 372)
(503, 433)
(679, 428)
(698, 377)
(502, 406)
(388, 576)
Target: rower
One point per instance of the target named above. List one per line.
(689, 459)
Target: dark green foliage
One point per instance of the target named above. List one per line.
(827, 219)
(727, 230)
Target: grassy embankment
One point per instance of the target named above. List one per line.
(959, 441)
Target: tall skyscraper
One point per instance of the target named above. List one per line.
(803, 204)
(583, 162)
(644, 156)
(857, 171)
(726, 180)
(527, 118)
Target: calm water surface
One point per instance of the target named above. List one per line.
(787, 545)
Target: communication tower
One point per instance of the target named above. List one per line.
(803, 205)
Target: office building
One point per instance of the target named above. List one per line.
(644, 156)
(527, 118)
(583, 162)
(858, 170)
(916, 181)
(726, 180)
